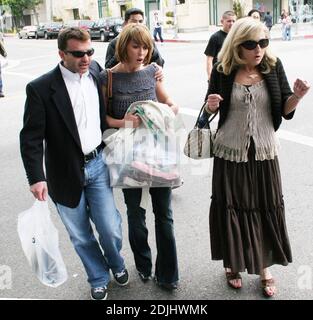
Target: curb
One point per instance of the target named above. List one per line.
(297, 37)
(9, 35)
(178, 40)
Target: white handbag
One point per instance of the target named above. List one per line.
(199, 144)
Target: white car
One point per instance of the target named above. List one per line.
(28, 32)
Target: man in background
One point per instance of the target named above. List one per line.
(157, 31)
(268, 20)
(133, 15)
(216, 40)
(213, 48)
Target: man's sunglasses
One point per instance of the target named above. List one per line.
(80, 54)
(251, 44)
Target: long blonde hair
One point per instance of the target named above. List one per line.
(242, 30)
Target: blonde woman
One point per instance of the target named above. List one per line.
(133, 79)
(249, 89)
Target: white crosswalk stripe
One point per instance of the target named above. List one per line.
(282, 134)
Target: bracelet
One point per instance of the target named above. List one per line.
(298, 98)
(207, 109)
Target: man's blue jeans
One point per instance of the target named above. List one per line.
(96, 203)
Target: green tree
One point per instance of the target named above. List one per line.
(238, 8)
(18, 6)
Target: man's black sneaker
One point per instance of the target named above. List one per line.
(99, 293)
(121, 277)
(143, 277)
(1, 95)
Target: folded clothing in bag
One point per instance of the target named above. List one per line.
(147, 155)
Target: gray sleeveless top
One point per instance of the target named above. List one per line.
(249, 117)
(130, 87)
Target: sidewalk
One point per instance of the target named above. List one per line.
(298, 31)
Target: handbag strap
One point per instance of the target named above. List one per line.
(108, 92)
(211, 117)
(2, 50)
(109, 85)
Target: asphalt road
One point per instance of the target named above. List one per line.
(201, 278)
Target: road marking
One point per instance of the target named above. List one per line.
(282, 134)
(10, 64)
(39, 57)
(17, 95)
(24, 75)
(295, 137)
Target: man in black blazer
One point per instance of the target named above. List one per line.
(63, 123)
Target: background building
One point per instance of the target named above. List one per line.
(177, 15)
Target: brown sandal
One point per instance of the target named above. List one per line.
(233, 276)
(267, 284)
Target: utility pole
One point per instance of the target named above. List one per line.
(51, 10)
(175, 20)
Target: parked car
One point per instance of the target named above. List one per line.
(106, 28)
(27, 32)
(49, 30)
(83, 24)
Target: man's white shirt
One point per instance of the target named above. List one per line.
(84, 97)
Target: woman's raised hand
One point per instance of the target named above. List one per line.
(300, 88)
(213, 102)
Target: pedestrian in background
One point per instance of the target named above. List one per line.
(282, 14)
(217, 39)
(4, 54)
(286, 26)
(213, 48)
(133, 15)
(255, 14)
(63, 123)
(133, 80)
(157, 24)
(268, 20)
(250, 91)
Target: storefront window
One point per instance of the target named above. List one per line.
(301, 10)
(263, 6)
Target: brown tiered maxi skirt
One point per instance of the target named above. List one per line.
(247, 215)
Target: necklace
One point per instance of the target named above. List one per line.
(253, 76)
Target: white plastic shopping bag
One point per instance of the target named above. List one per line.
(40, 242)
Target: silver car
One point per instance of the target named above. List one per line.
(28, 32)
